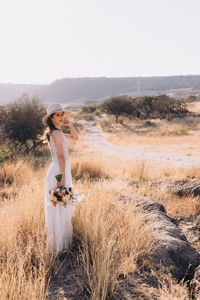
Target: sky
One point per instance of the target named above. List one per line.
(45, 40)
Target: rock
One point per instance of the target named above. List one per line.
(191, 228)
(172, 250)
(184, 188)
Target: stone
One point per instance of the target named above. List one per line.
(185, 188)
(173, 251)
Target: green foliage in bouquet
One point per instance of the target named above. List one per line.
(59, 177)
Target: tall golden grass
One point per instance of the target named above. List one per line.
(83, 169)
(113, 237)
(111, 233)
(24, 263)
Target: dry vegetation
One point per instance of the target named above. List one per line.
(110, 230)
(179, 135)
(151, 181)
(24, 263)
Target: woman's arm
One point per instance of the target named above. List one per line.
(74, 135)
(58, 140)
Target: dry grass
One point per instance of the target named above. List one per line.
(175, 206)
(100, 223)
(88, 169)
(112, 233)
(114, 236)
(143, 169)
(172, 291)
(13, 173)
(180, 131)
(150, 181)
(139, 170)
(24, 263)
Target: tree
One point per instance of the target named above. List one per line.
(22, 121)
(117, 106)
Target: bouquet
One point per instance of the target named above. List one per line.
(64, 195)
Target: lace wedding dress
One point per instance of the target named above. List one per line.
(58, 223)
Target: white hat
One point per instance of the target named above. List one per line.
(53, 108)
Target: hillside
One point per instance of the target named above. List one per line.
(84, 89)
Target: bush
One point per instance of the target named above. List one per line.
(144, 107)
(11, 150)
(161, 106)
(89, 108)
(21, 122)
(117, 106)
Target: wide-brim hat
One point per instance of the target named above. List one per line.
(53, 108)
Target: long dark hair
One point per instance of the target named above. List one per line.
(51, 126)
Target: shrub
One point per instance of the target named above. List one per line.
(144, 107)
(11, 150)
(21, 122)
(89, 108)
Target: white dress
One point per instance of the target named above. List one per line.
(58, 220)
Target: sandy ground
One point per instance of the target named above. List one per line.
(96, 138)
(194, 107)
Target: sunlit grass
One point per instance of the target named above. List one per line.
(24, 262)
(111, 233)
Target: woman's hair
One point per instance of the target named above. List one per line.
(51, 126)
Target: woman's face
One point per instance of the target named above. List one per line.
(57, 119)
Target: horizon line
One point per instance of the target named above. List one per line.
(97, 77)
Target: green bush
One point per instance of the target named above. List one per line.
(144, 107)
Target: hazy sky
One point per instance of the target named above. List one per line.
(44, 40)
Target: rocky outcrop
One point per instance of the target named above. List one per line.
(191, 228)
(184, 188)
(173, 251)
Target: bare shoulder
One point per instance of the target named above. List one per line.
(57, 135)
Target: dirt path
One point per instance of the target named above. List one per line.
(96, 138)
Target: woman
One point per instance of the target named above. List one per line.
(58, 219)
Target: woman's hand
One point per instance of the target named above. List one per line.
(61, 183)
(74, 135)
(66, 122)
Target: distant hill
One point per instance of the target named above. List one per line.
(77, 90)
(10, 92)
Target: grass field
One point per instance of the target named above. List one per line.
(109, 228)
